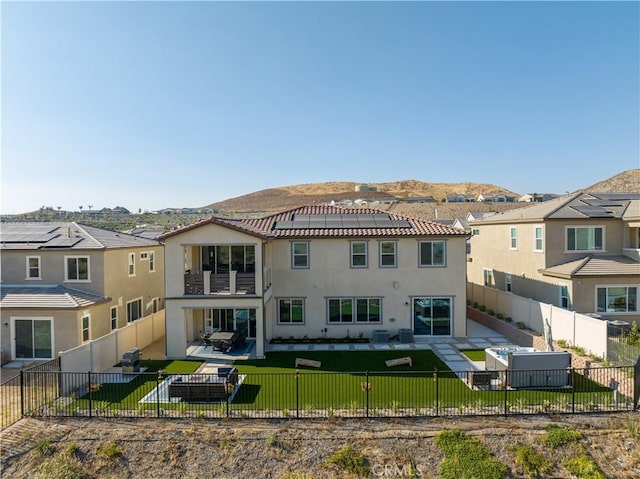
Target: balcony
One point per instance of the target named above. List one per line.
(225, 283)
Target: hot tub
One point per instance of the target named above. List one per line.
(497, 359)
(528, 367)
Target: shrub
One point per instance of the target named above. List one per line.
(44, 447)
(500, 316)
(563, 343)
(584, 467)
(475, 304)
(521, 325)
(482, 308)
(490, 311)
(557, 436)
(508, 319)
(110, 450)
(61, 466)
(532, 462)
(465, 456)
(350, 460)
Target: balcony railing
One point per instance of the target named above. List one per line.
(223, 283)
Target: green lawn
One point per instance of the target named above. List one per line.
(342, 383)
(474, 354)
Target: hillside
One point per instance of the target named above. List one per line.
(625, 182)
(286, 197)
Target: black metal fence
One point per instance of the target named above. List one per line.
(623, 345)
(327, 394)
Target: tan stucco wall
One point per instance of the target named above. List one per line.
(330, 275)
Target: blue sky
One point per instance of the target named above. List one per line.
(149, 105)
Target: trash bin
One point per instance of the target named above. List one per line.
(380, 336)
(405, 335)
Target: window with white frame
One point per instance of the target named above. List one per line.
(134, 310)
(132, 264)
(33, 267)
(144, 256)
(388, 254)
(617, 299)
(349, 310)
(507, 282)
(488, 278)
(77, 268)
(538, 239)
(86, 321)
(300, 254)
(513, 238)
(358, 254)
(291, 310)
(432, 253)
(152, 262)
(585, 238)
(114, 317)
(564, 296)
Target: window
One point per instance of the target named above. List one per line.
(475, 231)
(134, 310)
(300, 254)
(221, 259)
(585, 238)
(388, 254)
(617, 299)
(432, 253)
(152, 262)
(488, 278)
(358, 254)
(507, 282)
(564, 296)
(77, 268)
(33, 267)
(114, 317)
(537, 239)
(291, 311)
(132, 264)
(144, 256)
(85, 327)
(341, 310)
(513, 238)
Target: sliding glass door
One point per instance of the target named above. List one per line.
(432, 316)
(32, 338)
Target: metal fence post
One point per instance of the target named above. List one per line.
(90, 394)
(636, 384)
(297, 394)
(366, 392)
(506, 391)
(21, 393)
(226, 395)
(158, 377)
(435, 378)
(573, 391)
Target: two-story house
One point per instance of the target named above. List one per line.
(64, 283)
(580, 252)
(314, 271)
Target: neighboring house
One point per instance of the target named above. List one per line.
(64, 283)
(317, 270)
(580, 252)
(420, 199)
(499, 198)
(536, 197)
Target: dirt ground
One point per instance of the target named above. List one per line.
(288, 449)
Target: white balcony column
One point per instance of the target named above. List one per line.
(206, 282)
(232, 281)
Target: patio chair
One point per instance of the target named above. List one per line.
(207, 343)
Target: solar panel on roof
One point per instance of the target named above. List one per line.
(593, 211)
(598, 202)
(339, 221)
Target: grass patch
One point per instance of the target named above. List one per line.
(466, 457)
(109, 450)
(557, 436)
(532, 462)
(44, 447)
(60, 466)
(350, 460)
(584, 467)
(474, 354)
